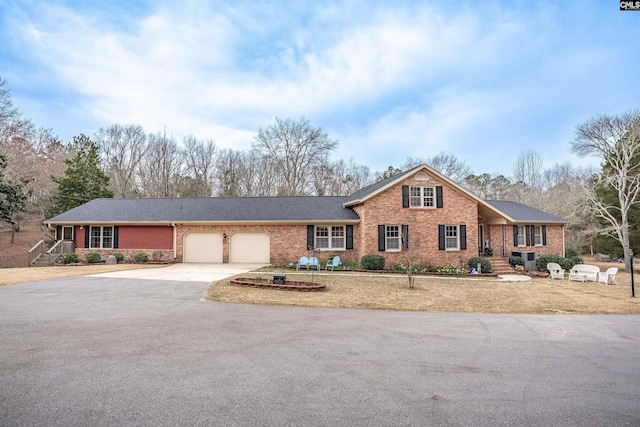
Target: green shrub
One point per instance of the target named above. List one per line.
(119, 257)
(93, 257)
(571, 253)
(372, 262)
(70, 258)
(516, 260)
(543, 260)
(485, 264)
(141, 257)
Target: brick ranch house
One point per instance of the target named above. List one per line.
(418, 213)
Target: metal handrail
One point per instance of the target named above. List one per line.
(37, 250)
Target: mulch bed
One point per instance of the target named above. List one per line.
(289, 285)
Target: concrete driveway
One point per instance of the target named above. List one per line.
(190, 272)
(148, 352)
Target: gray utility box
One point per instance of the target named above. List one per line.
(279, 279)
(528, 257)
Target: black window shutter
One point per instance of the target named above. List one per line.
(59, 235)
(527, 234)
(441, 237)
(544, 235)
(515, 235)
(381, 238)
(349, 242)
(405, 237)
(439, 199)
(463, 237)
(87, 232)
(310, 232)
(405, 196)
(116, 230)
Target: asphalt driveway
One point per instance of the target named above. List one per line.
(148, 351)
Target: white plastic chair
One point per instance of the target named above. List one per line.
(555, 271)
(609, 276)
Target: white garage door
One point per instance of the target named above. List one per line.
(249, 247)
(203, 247)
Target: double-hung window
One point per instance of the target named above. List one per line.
(101, 237)
(392, 237)
(537, 235)
(451, 237)
(520, 239)
(422, 197)
(330, 237)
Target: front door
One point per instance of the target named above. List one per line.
(67, 233)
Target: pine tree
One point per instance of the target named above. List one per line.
(83, 179)
(13, 196)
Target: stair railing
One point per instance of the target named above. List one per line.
(37, 250)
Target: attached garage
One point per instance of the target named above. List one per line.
(203, 247)
(249, 247)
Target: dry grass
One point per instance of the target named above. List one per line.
(538, 296)
(13, 276)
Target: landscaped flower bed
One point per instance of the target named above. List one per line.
(289, 285)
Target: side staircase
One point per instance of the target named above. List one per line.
(40, 255)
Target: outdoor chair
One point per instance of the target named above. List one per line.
(609, 276)
(304, 262)
(555, 271)
(314, 263)
(334, 262)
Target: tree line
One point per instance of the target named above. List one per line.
(292, 157)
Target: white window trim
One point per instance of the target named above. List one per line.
(386, 238)
(73, 231)
(422, 196)
(101, 227)
(524, 236)
(457, 248)
(330, 237)
(537, 228)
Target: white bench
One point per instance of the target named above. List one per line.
(584, 272)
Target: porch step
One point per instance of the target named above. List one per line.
(44, 260)
(500, 265)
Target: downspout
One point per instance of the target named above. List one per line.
(175, 236)
(564, 249)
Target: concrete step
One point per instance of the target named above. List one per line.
(44, 260)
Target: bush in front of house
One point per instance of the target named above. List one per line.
(566, 263)
(119, 257)
(515, 261)
(93, 257)
(485, 264)
(70, 258)
(140, 257)
(372, 262)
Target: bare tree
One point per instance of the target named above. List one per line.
(200, 160)
(295, 148)
(489, 187)
(160, 170)
(616, 141)
(122, 149)
(447, 164)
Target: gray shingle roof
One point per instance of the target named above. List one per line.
(521, 213)
(312, 208)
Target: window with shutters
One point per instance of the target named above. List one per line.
(422, 197)
(101, 237)
(520, 239)
(330, 237)
(451, 237)
(537, 235)
(392, 238)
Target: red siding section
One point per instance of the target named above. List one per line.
(145, 237)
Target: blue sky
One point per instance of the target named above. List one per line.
(481, 80)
